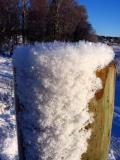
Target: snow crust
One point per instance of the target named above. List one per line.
(55, 82)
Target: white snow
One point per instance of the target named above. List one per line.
(111, 155)
(55, 82)
(8, 142)
(10, 148)
(115, 147)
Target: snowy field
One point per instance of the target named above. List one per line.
(8, 141)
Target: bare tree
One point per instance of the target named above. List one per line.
(63, 20)
(9, 23)
(84, 30)
(23, 20)
(37, 20)
(66, 19)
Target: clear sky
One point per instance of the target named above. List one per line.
(104, 15)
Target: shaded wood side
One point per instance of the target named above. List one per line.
(21, 149)
(102, 106)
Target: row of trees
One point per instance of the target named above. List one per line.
(109, 40)
(58, 20)
(44, 20)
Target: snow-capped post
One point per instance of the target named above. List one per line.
(64, 100)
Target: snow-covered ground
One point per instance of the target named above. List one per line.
(8, 140)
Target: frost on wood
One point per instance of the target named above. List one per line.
(55, 82)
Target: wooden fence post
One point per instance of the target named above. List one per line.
(102, 105)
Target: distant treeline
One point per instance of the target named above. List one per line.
(44, 20)
(109, 40)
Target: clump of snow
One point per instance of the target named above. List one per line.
(55, 82)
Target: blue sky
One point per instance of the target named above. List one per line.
(104, 15)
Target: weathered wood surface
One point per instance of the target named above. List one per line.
(102, 106)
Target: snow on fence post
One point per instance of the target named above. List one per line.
(103, 107)
(95, 125)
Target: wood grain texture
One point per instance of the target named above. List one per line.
(102, 105)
